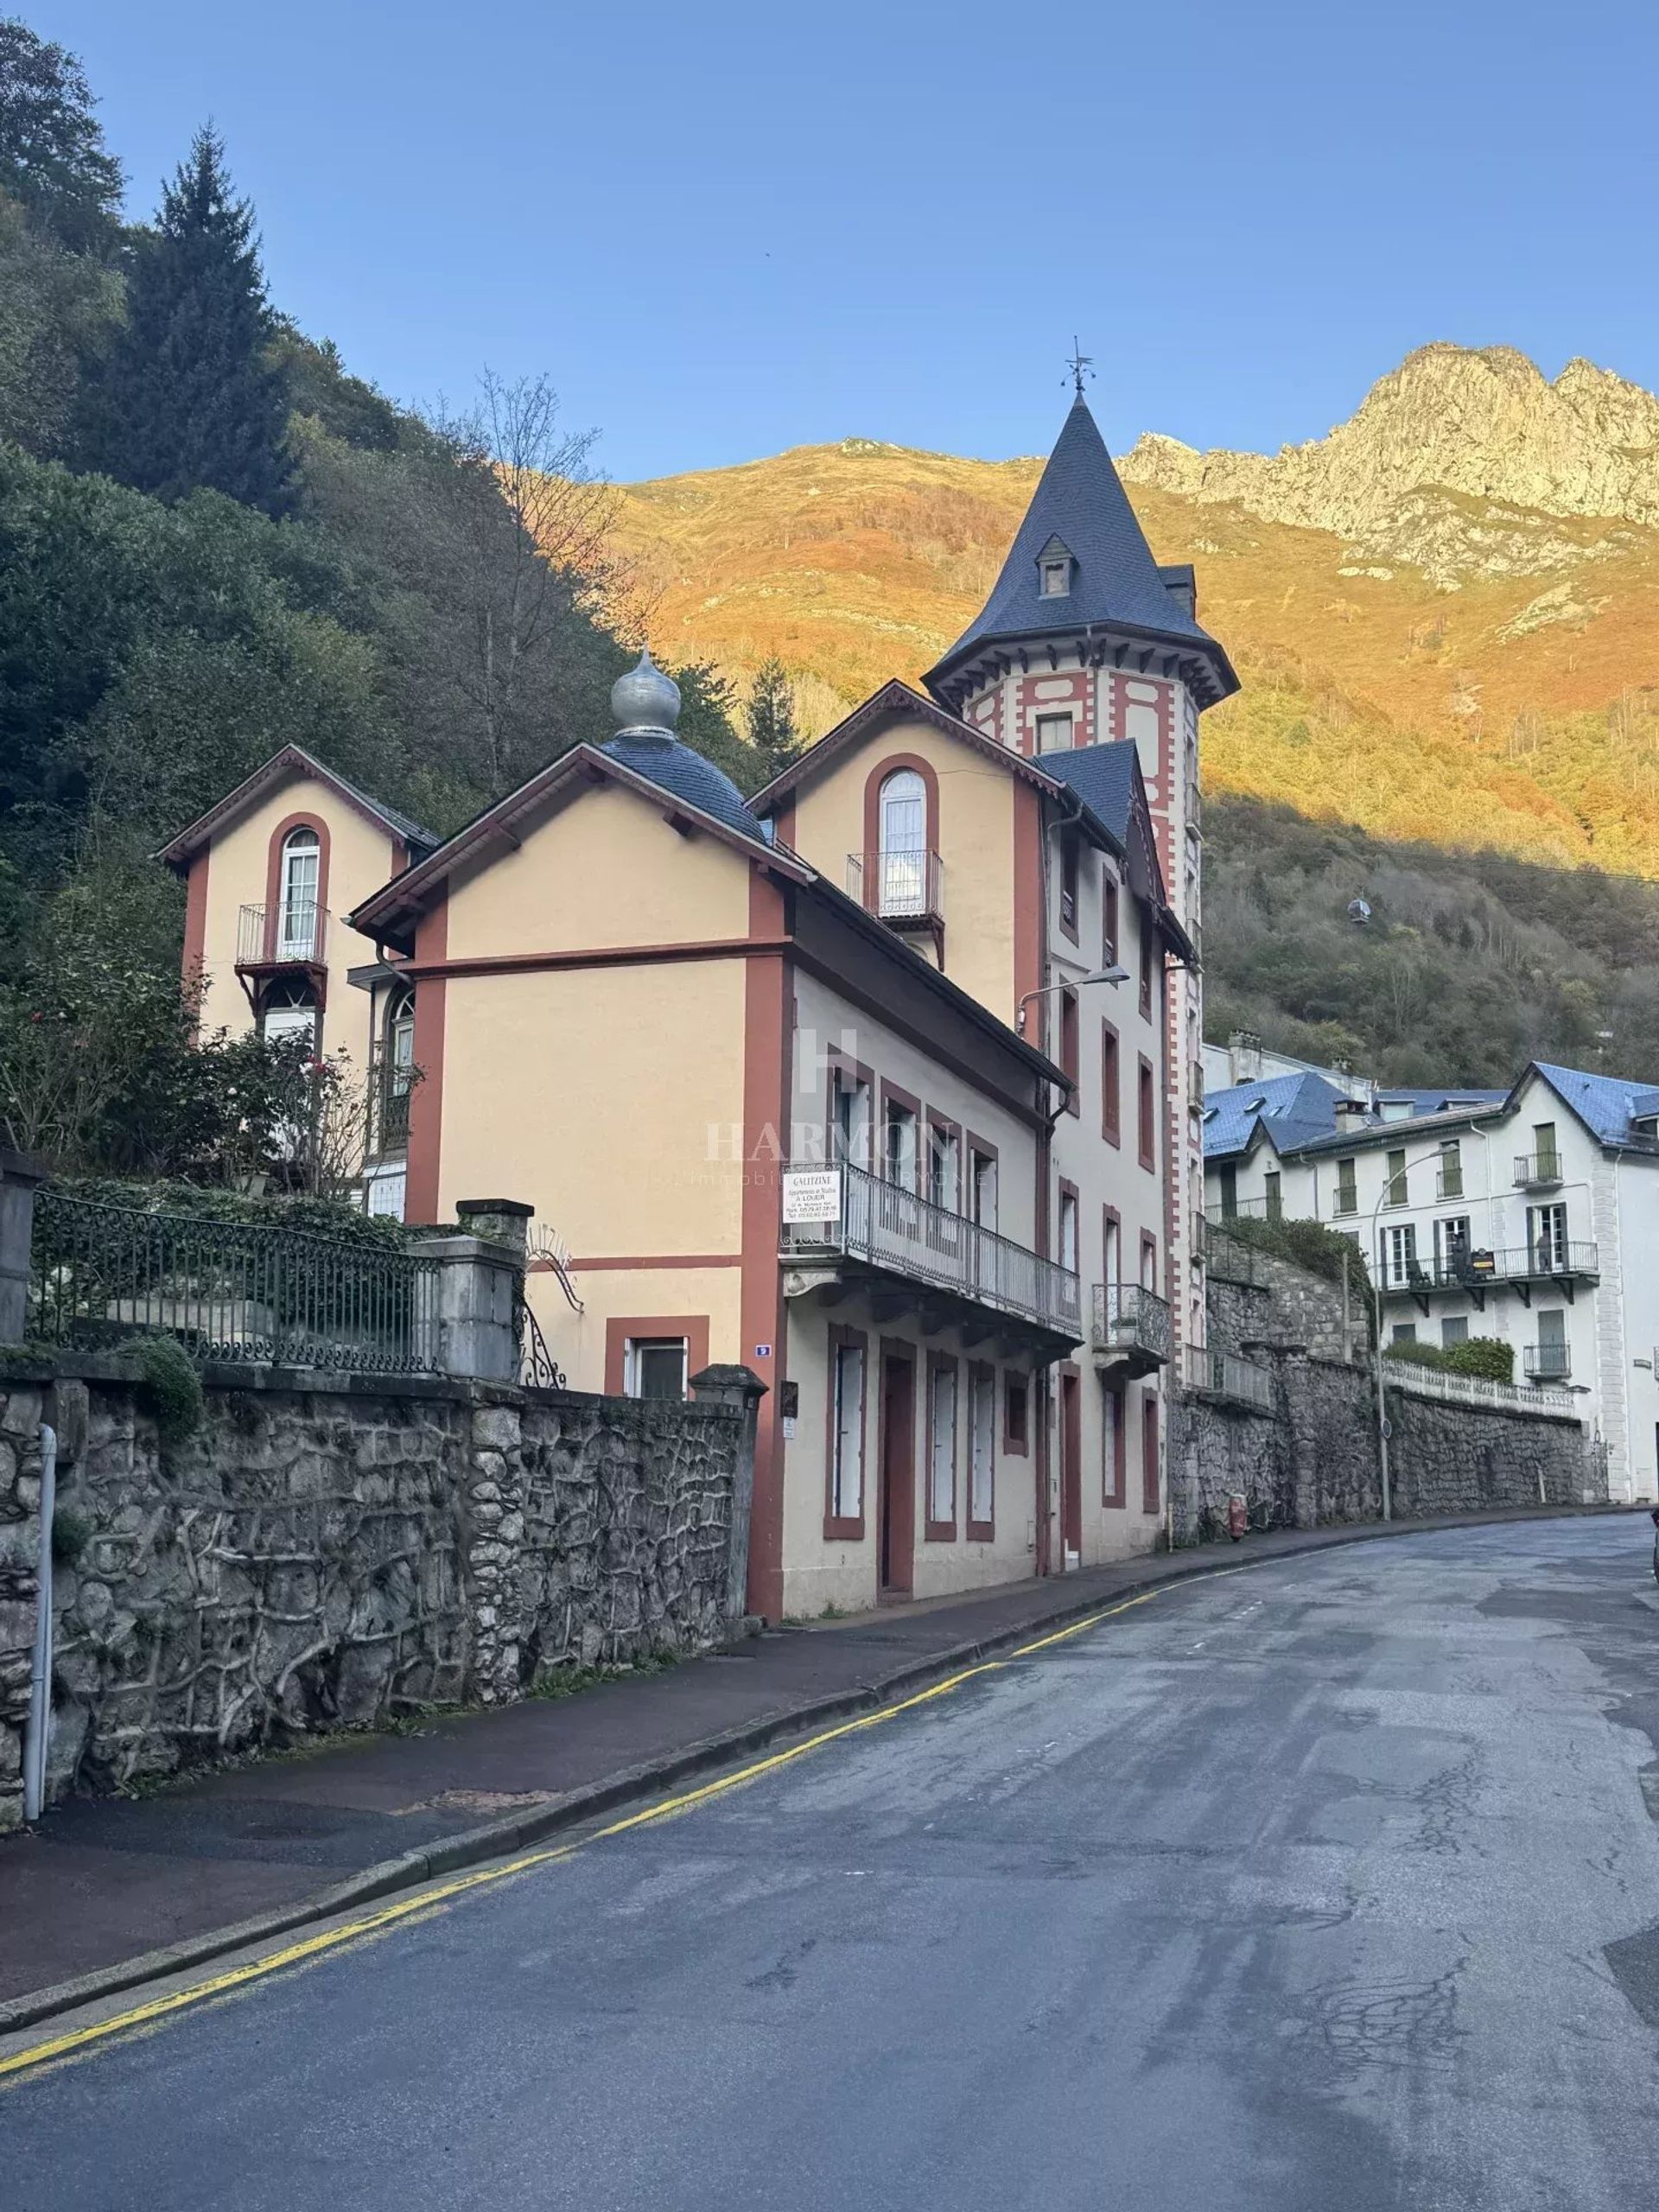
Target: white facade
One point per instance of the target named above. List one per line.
(1518, 1224)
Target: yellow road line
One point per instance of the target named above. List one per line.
(312, 1947)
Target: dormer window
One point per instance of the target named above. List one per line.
(1056, 571)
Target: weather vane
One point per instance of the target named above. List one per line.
(1081, 365)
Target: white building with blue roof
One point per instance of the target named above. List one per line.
(1529, 1215)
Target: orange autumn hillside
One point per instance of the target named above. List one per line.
(1446, 614)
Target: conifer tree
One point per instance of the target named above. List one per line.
(771, 716)
(192, 397)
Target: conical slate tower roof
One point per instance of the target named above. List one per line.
(1081, 508)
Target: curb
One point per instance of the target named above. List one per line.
(495, 1839)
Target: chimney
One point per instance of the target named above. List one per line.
(1182, 586)
(1244, 1055)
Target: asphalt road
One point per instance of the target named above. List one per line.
(1324, 1887)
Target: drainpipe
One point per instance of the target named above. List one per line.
(40, 1680)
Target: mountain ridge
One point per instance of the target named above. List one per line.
(1451, 665)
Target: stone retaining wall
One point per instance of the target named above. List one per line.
(337, 1551)
(1313, 1460)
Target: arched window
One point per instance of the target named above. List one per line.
(297, 883)
(400, 1034)
(901, 817)
(289, 1009)
(396, 1068)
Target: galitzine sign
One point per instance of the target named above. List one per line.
(811, 1194)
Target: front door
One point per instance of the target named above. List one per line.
(898, 1527)
(1071, 1471)
(1149, 1499)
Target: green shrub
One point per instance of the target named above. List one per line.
(1489, 1357)
(1307, 1244)
(168, 1387)
(1414, 1354)
(331, 1217)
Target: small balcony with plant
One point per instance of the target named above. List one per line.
(1129, 1328)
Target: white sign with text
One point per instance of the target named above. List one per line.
(812, 1194)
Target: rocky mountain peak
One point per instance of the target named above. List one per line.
(1480, 424)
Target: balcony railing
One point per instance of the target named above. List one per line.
(1130, 1323)
(277, 937)
(1448, 1183)
(1269, 1208)
(899, 887)
(1225, 1374)
(889, 1227)
(1517, 1263)
(1537, 1171)
(1546, 1362)
(1228, 1259)
(388, 1099)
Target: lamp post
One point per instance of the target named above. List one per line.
(1113, 976)
(1374, 1259)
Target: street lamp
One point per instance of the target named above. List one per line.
(1114, 975)
(1374, 1260)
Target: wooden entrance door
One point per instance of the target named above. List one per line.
(898, 1525)
(1071, 1471)
(1149, 1498)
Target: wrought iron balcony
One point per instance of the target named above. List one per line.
(389, 1093)
(1270, 1207)
(1448, 1183)
(1130, 1326)
(1544, 1260)
(1537, 1171)
(902, 1239)
(1546, 1362)
(1225, 1374)
(287, 936)
(907, 889)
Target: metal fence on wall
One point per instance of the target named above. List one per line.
(99, 1273)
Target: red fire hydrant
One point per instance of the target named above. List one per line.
(1239, 1515)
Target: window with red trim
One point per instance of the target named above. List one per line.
(1111, 1107)
(1071, 847)
(1148, 1115)
(1069, 1045)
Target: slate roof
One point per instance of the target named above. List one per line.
(1299, 1112)
(1293, 1109)
(411, 831)
(1605, 1104)
(687, 775)
(1115, 583)
(1103, 776)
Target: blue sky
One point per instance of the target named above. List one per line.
(727, 228)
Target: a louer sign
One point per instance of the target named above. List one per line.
(811, 1194)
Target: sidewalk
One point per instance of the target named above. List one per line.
(204, 1865)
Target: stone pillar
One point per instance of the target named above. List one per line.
(740, 1390)
(498, 1221)
(478, 1284)
(20, 1178)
